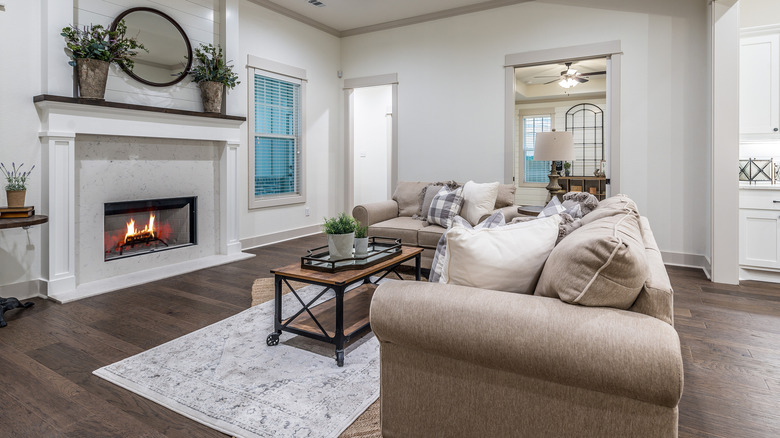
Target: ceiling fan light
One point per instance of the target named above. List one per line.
(568, 82)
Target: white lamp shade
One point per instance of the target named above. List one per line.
(554, 146)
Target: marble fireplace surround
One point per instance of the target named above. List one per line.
(62, 119)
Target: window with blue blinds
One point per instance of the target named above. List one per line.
(534, 171)
(277, 146)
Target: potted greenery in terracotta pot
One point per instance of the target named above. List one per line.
(341, 235)
(15, 183)
(93, 49)
(212, 73)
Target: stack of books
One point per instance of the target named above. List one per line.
(16, 212)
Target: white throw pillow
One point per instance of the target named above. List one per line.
(478, 200)
(508, 258)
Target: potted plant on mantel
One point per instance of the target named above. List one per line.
(16, 184)
(212, 73)
(341, 235)
(93, 49)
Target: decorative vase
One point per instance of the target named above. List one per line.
(92, 75)
(211, 93)
(15, 197)
(361, 246)
(340, 245)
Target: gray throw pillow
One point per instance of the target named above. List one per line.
(445, 206)
(430, 192)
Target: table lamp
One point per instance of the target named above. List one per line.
(554, 146)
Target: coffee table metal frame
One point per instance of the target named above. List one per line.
(338, 282)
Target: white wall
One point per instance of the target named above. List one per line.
(20, 250)
(451, 96)
(758, 12)
(268, 35)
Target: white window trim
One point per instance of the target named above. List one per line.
(521, 150)
(275, 70)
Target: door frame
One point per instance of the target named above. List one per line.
(610, 50)
(349, 135)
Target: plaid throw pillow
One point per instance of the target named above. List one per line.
(445, 206)
(495, 220)
(553, 207)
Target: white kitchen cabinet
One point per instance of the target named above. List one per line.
(759, 229)
(759, 86)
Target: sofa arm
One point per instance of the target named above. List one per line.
(369, 214)
(600, 349)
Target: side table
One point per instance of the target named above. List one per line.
(530, 210)
(11, 303)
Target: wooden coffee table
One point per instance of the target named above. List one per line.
(337, 320)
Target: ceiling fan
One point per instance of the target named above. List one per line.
(571, 77)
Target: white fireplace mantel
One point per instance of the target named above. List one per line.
(64, 118)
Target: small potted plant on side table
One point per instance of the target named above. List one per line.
(212, 73)
(16, 184)
(566, 167)
(341, 235)
(93, 49)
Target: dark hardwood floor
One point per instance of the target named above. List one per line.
(730, 343)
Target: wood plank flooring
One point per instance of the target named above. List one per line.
(730, 339)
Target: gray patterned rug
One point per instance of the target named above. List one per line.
(226, 377)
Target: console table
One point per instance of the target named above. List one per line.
(11, 303)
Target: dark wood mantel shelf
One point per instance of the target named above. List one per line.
(130, 106)
(23, 222)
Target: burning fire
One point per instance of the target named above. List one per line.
(135, 235)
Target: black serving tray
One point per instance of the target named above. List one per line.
(379, 250)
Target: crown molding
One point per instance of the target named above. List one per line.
(462, 10)
(296, 16)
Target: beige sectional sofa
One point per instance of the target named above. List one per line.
(398, 218)
(467, 362)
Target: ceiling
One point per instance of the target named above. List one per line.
(530, 82)
(349, 17)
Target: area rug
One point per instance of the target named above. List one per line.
(226, 377)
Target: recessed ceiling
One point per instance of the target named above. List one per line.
(351, 15)
(540, 82)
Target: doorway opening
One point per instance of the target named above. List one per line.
(371, 131)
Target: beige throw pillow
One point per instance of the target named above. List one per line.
(601, 264)
(478, 200)
(506, 196)
(507, 258)
(409, 196)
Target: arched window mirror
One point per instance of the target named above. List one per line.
(586, 123)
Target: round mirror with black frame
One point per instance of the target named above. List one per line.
(169, 55)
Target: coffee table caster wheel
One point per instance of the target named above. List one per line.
(340, 358)
(272, 339)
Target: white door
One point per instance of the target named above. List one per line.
(372, 133)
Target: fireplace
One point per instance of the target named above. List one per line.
(133, 228)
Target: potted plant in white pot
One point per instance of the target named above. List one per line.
(341, 235)
(212, 73)
(15, 184)
(92, 49)
(361, 240)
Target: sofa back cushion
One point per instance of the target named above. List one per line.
(657, 297)
(428, 196)
(603, 263)
(409, 196)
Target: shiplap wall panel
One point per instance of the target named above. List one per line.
(200, 20)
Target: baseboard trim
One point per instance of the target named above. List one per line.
(281, 236)
(757, 274)
(133, 279)
(687, 261)
(24, 290)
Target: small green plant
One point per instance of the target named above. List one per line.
(97, 42)
(341, 224)
(566, 165)
(15, 179)
(361, 231)
(210, 66)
